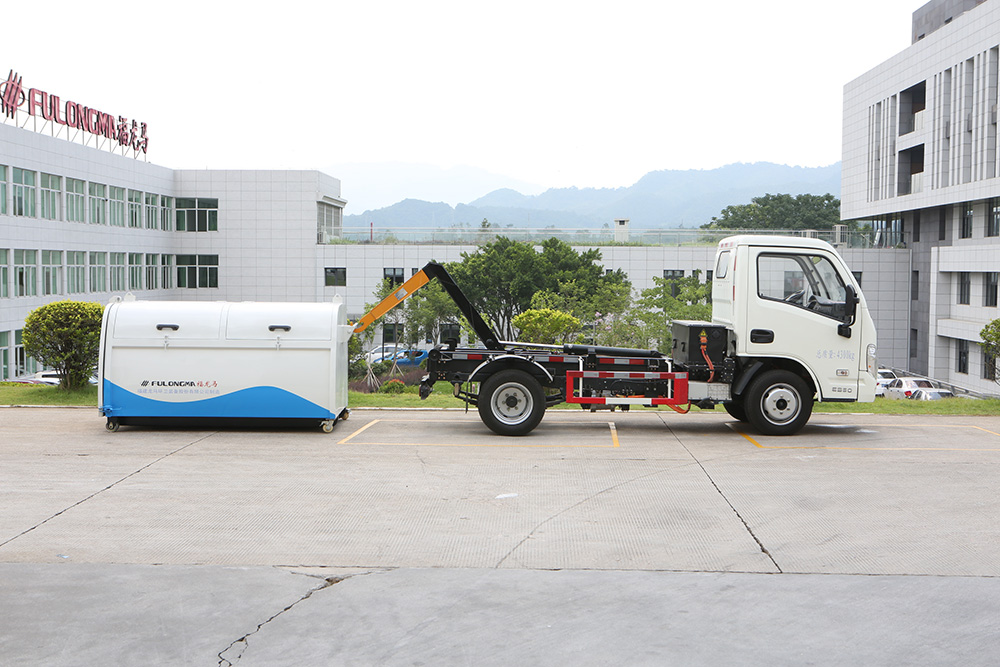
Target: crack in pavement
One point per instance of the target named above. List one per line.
(739, 516)
(107, 488)
(239, 646)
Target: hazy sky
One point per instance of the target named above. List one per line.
(550, 93)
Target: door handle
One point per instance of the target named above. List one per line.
(761, 336)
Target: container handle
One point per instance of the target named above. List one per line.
(172, 327)
(280, 327)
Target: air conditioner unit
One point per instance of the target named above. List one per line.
(839, 234)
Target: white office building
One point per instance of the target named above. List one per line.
(920, 161)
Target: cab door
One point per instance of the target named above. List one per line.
(800, 305)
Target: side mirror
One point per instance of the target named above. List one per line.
(850, 311)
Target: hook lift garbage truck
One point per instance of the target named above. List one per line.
(789, 326)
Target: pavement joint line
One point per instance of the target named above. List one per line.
(739, 516)
(97, 493)
(752, 441)
(612, 427)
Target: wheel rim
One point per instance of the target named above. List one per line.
(512, 403)
(780, 403)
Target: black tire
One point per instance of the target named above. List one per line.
(736, 410)
(778, 403)
(511, 402)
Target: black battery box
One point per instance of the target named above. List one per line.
(687, 343)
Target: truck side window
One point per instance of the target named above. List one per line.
(805, 281)
(722, 268)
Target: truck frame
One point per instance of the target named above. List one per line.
(782, 335)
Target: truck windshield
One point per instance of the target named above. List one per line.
(805, 281)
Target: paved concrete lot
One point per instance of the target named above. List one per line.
(419, 537)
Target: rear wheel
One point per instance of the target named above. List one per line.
(778, 403)
(511, 402)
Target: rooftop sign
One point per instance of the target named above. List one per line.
(41, 108)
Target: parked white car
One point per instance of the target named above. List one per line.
(383, 353)
(885, 376)
(903, 387)
(931, 394)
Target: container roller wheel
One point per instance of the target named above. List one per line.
(112, 425)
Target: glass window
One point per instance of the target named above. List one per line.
(98, 199)
(942, 224)
(23, 364)
(392, 333)
(335, 276)
(4, 281)
(51, 196)
(98, 272)
(116, 207)
(967, 217)
(964, 287)
(25, 273)
(962, 362)
(167, 271)
(51, 272)
(915, 286)
(197, 215)
(913, 343)
(329, 222)
(916, 226)
(24, 192)
(135, 270)
(152, 271)
(197, 271)
(990, 281)
(3, 189)
(76, 207)
(152, 211)
(4, 355)
(722, 266)
(888, 231)
(134, 209)
(76, 272)
(672, 275)
(803, 281)
(989, 366)
(993, 218)
(166, 213)
(395, 274)
(117, 271)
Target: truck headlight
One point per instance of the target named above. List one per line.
(872, 361)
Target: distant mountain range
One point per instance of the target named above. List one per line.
(660, 199)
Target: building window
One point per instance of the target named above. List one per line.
(98, 272)
(967, 217)
(152, 211)
(392, 333)
(671, 276)
(134, 209)
(4, 282)
(24, 193)
(152, 271)
(989, 366)
(394, 274)
(964, 287)
(51, 196)
(76, 197)
(98, 198)
(23, 364)
(888, 231)
(166, 213)
(197, 215)
(335, 276)
(25, 273)
(962, 362)
(197, 271)
(857, 277)
(117, 272)
(915, 286)
(329, 222)
(916, 226)
(3, 189)
(942, 224)
(993, 218)
(4, 355)
(167, 271)
(51, 272)
(913, 343)
(76, 272)
(135, 270)
(990, 281)
(116, 211)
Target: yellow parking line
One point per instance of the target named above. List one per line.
(886, 449)
(509, 442)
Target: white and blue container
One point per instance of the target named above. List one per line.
(220, 360)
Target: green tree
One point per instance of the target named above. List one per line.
(547, 326)
(990, 335)
(780, 212)
(673, 299)
(426, 310)
(65, 336)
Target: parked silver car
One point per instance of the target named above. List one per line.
(903, 387)
(931, 394)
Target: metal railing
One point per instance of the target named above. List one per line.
(840, 237)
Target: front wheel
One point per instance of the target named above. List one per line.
(778, 403)
(511, 402)
(736, 410)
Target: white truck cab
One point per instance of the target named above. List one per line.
(795, 316)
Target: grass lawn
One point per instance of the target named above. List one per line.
(39, 394)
